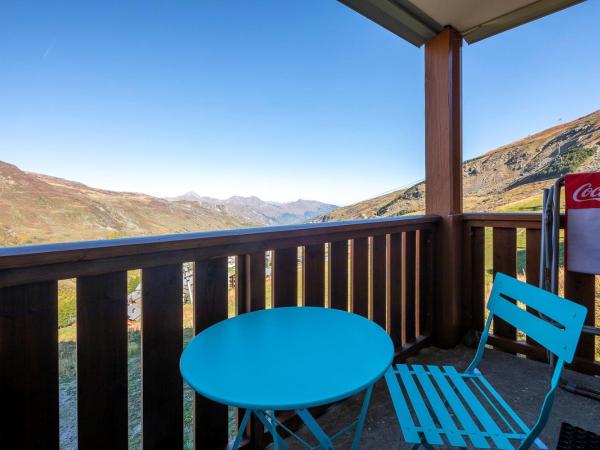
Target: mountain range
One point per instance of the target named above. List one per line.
(255, 210)
(37, 208)
(509, 178)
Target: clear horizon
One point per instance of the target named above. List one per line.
(308, 101)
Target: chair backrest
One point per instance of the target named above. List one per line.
(552, 321)
(561, 321)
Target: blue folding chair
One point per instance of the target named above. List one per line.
(438, 394)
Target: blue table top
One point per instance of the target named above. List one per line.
(286, 358)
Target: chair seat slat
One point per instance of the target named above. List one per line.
(461, 412)
(491, 404)
(401, 407)
(420, 407)
(502, 402)
(439, 409)
(491, 427)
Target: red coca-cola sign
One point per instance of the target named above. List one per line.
(582, 190)
(587, 193)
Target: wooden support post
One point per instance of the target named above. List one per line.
(443, 176)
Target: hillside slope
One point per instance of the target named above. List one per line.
(260, 211)
(36, 208)
(504, 178)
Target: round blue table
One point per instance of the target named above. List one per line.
(293, 358)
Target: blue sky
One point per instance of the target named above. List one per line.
(283, 99)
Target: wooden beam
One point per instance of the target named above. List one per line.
(210, 306)
(396, 276)
(162, 325)
(532, 270)
(338, 275)
(284, 276)
(29, 366)
(102, 361)
(378, 280)
(410, 287)
(505, 261)
(443, 175)
(580, 288)
(313, 275)
(359, 259)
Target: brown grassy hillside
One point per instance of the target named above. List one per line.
(504, 178)
(37, 208)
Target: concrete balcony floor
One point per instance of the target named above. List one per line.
(523, 383)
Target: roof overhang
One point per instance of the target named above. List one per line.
(417, 21)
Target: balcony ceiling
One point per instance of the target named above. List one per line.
(417, 21)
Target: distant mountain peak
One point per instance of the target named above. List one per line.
(262, 211)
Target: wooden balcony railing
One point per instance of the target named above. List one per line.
(382, 269)
(512, 241)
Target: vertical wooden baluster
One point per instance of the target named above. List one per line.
(418, 262)
(426, 282)
(285, 277)
(250, 282)
(378, 279)
(242, 305)
(338, 275)
(532, 270)
(395, 289)
(580, 288)
(359, 259)
(102, 361)
(162, 328)
(210, 307)
(410, 243)
(477, 278)
(256, 277)
(250, 296)
(242, 284)
(505, 261)
(29, 366)
(313, 275)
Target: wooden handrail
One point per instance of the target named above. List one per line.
(506, 220)
(517, 217)
(30, 255)
(19, 265)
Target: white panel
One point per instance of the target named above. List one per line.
(463, 15)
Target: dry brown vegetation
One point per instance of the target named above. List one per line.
(36, 208)
(503, 178)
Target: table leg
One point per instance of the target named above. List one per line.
(241, 429)
(270, 423)
(315, 428)
(361, 420)
(268, 420)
